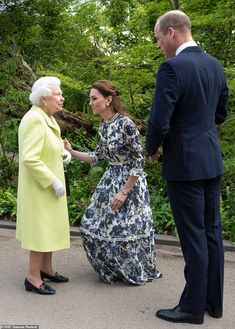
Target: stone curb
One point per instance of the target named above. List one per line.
(161, 239)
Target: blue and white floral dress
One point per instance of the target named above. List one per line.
(120, 244)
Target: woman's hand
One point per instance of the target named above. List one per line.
(66, 157)
(67, 145)
(58, 188)
(118, 201)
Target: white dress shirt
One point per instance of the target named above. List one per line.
(187, 44)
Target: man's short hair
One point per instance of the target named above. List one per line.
(176, 19)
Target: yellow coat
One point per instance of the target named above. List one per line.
(42, 218)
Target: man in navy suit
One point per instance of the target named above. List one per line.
(190, 99)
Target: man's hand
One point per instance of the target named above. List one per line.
(155, 156)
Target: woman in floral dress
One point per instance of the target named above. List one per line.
(117, 230)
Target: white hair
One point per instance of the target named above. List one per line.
(43, 87)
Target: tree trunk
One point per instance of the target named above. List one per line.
(69, 121)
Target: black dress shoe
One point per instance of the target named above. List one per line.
(176, 315)
(214, 312)
(56, 278)
(44, 289)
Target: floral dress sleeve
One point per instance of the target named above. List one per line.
(98, 154)
(134, 149)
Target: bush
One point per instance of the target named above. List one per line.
(83, 181)
(8, 203)
(162, 215)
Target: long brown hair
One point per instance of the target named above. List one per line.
(107, 88)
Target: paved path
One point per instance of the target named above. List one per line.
(87, 303)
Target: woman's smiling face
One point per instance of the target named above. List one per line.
(55, 101)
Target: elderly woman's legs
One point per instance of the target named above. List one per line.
(47, 271)
(34, 281)
(40, 268)
(38, 261)
(47, 263)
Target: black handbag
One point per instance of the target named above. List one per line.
(66, 176)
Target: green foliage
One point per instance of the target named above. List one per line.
(83, 41)
(83, 178)
(8, 135)
(8, 204)
(82, 186)
(227, 133)
(228, 213)
(162, 215)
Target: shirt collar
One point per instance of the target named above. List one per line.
(187, 44)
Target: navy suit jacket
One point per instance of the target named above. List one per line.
(190, 99)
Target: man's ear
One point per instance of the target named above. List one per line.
(171, 31)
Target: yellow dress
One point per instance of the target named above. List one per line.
(42, 218)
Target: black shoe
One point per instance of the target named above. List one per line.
(56, 278)
(216, 313)
(176, 315)
(44, 289)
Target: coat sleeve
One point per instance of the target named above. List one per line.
(166, 95)
(31, 141)
(221, 110)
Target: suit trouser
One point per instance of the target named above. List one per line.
(196, 211)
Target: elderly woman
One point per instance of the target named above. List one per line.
(42, 215)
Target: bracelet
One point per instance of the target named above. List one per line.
(125, 192)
